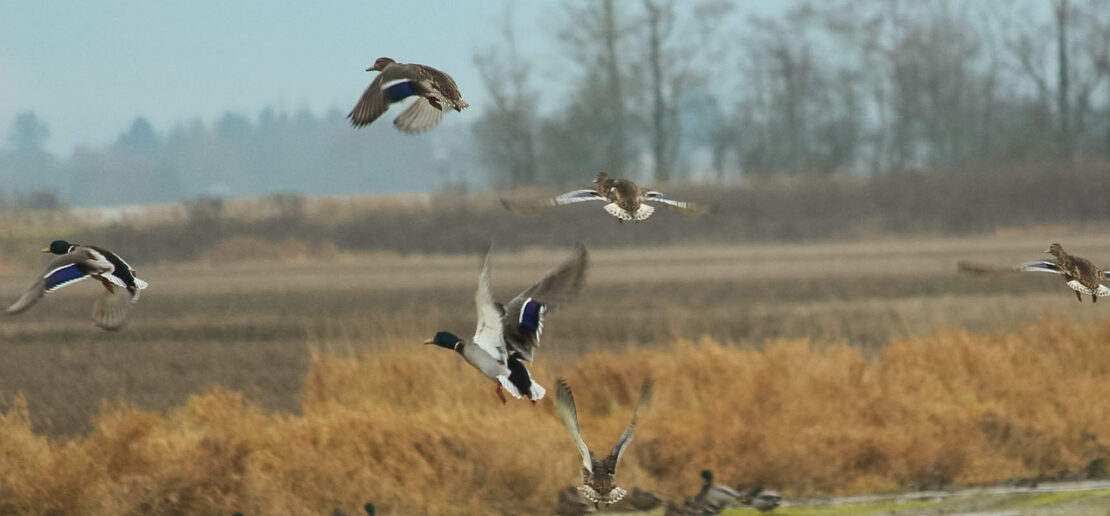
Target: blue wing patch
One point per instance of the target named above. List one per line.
(62, 276)
(531, 315)
(399, 91)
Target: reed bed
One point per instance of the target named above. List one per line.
(420, 433)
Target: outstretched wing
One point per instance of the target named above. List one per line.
(626, 437)
(1039, 266)
(392, 84)
(687, 208)
(523, 319)
(530, 207)
(488, 335)
(62, 271)
(564, 402)
(420, 117)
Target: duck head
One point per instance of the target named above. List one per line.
(369, 508)
(707, 476)
(59, 247)
(380, 64)
(1055, 250)
(601, 177)
(445, 339)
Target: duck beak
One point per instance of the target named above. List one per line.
(371, 69)
(430, 341)
(46, 250)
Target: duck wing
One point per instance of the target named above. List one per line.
(421, 116)
(626, 437)
(522, 321)
(687, 208)
(489, 334)
(393, 84)
(572, 197)
(1039, 266)
(64, 270)
(564, 402)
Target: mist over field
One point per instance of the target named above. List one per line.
(809, 332)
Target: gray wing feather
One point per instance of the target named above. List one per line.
(371, 105)
(564, 402)
(38, 288)
(641, 407)
(558, 287)
(1039, 266)
(421, 116)
(688, 208)
(489, 334)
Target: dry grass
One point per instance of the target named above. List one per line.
(244, 325)
(420, 434)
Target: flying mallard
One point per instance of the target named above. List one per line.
(599, 484)
(76, 263)
(1079, 273)
(436, 92)
(626, 200)
(508, 334)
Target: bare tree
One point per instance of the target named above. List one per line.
(506, 131)
(596, 32)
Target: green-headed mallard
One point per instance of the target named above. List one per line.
(626, 200)
(599, 484)
(1079, 274)
(716, 495)
(436, 92)
(508, 334)
(76, 263)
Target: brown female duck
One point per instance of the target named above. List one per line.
(625, 200)
(1080, 274)
(599, 484)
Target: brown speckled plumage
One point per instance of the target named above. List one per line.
(599, 483)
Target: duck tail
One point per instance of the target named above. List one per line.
(508, 386)
(536, 392)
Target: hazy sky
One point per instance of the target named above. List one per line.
(89, 68)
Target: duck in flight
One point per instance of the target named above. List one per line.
(435, 93)
(75, 263)
(625, 200)
(508, 334)
(1079, 274)
(599, 483)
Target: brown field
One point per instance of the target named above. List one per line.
(296, 387)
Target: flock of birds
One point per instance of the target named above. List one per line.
(507, 334)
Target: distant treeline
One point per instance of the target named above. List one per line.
(232, 157)
(955, 201)
(666, 92)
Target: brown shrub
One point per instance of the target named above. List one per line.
(421, 433)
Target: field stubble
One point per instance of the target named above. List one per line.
(364, 412)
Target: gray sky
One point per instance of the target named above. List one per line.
(89, 68)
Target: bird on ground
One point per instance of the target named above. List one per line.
(689, 508)
(508, 334)
(764, 499)
(1079, 274)
(625, 200)
(571, 503)
(716, 495)
(77, 262)
(599, 484)
(436, 93)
